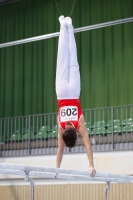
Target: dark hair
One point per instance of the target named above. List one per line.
(70, 137)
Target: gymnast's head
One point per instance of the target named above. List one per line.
(70, 137)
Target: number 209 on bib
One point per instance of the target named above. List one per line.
(68, 113)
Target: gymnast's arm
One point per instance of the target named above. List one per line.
(84, 134)
(60, 148)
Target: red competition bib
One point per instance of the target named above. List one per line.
(69, 110)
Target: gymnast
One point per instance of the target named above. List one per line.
(70, 117)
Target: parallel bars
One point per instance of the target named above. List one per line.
(30, 172)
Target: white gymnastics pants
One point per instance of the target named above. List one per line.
(67, 71)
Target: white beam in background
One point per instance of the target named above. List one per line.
(76, 30)
(44, 172)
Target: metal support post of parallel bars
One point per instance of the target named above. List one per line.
(27, 178)
(106, 191)
(31, 189)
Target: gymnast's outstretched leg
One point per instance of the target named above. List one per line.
(62, 70)
(74, 75)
